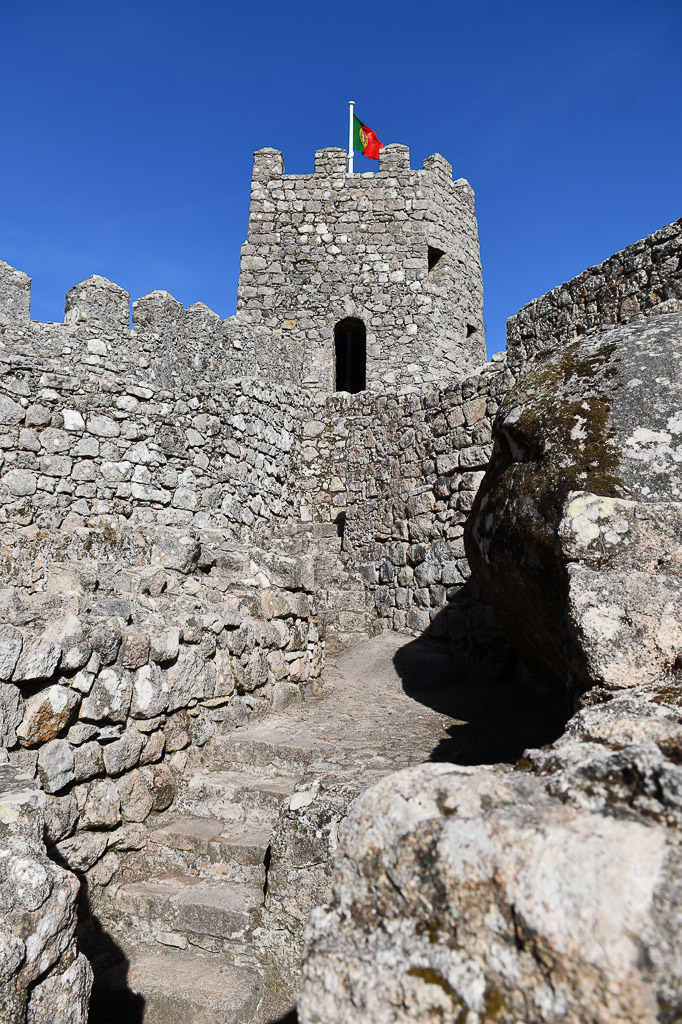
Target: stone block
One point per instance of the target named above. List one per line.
(136, 795)
(55, 765)
(46, 714)
(11, 642)
(134, 650)
(124, 754)
(38, 660)
(110, 697)
(150, 692)
(101, 805)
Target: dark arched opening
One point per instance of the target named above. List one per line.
(351, 355)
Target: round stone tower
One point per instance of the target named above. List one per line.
(366, 280)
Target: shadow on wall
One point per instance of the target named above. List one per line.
(465, 668)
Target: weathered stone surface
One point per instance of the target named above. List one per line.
(150, 692)
(165, 646)
(105, 638)
(136, 795)
(123, 754)
(154, 747)
(100, 805)
(61, 816)
(88, 761)
(11, 712)
(562, 912)
(38, 660)
(109, 698)
(69, 634)
(37, 897)
(83, 850)
(176, 552)
(46, 714)
(11, 642)
(163, 789)
(56, 765)
(134, 650)
(64, 995)
(600, 415)
(186, 679)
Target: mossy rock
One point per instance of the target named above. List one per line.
(602, 414)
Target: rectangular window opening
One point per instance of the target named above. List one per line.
(434, 257)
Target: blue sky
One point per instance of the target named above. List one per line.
(128, 129)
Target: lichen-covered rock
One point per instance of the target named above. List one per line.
(602, 414)
(477, 894)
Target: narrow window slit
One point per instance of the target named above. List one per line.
(434, 256)
(350, 346)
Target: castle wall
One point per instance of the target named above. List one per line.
(399, 475)
(642, 277)
(326, 246)
(99, 423)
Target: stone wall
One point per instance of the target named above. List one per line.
(399, 475)
(646, 275)
(326, 246)
(121, 653)
(99, 423)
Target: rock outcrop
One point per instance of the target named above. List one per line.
(601, 415)
(41, 972)
(546, 894)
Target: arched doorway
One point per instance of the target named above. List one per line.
(351, 355)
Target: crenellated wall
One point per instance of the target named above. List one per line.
(326, 246)
(101, 424)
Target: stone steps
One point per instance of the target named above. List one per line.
(186, 909)
(174, 986)
(236, 796)
(210, 848)
(269, 747)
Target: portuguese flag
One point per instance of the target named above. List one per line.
(365, 139)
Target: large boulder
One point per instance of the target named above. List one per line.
(600, 417)
(548, 895)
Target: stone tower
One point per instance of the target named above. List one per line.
(371, 280)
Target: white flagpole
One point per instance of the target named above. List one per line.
(351, 104)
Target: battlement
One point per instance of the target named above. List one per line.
(332, 162)
(167, 343)
(382, 265)
(394, 253)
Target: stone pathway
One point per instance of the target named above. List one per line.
(195, 931)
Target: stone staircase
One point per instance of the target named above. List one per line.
(196, 926)
(194, 915)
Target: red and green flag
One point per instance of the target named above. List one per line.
(365, 139)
